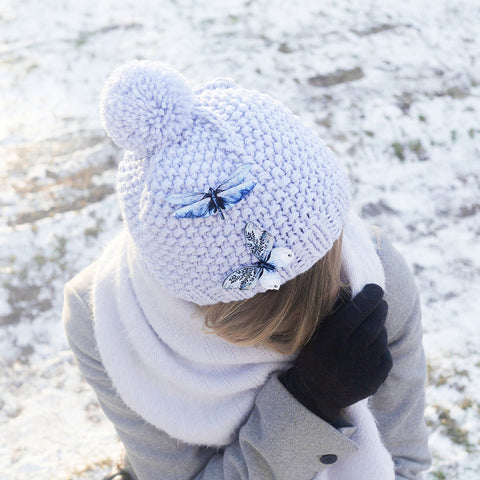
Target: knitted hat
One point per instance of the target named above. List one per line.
(224, 192)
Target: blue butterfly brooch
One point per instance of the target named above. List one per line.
(203, 204)
(260, 244)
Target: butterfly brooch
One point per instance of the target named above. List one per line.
(227, 194)
(260, 244)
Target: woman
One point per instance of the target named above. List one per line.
(238, 325)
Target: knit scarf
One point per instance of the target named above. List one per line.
(196, 386)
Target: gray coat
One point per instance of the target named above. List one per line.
(281, 439)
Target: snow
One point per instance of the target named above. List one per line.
(393, 88)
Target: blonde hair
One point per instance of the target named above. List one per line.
(285, 319)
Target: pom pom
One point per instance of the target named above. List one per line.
(145, 105)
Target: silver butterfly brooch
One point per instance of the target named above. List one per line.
(260, 244)
(203, 204)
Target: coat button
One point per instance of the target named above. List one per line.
(328, 459)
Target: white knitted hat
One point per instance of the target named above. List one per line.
(215, 180)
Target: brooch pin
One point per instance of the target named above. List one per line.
(260, 244)
(203, 204)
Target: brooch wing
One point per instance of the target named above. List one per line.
(202, 208)
(227, 194)
(259, 241)
(244, 278)
(260, 244)
(228, 198)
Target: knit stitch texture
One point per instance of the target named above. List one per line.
(184, 141)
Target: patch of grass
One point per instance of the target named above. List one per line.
(467, 403)
(452, 430)
(417, 148)
(452, 378)
(59, 251)
(339, 76)
(233, 19)
(404, 101)
(457, 92)
(325, 122)
(30, 287)
(383, 27)
(23, 297)
(40, 260)
(81, 39)
(89, 467)
(91, 232)
(31, 67)
(399, 151)
(84, 36)
(472, 132)
(373, 209)
(284, 48)
(439, 475)
(95, 230)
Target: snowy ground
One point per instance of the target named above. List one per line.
(393, 87)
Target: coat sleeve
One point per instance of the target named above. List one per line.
(280, 440)
(399, 404)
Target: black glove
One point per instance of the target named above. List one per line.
(346, 360)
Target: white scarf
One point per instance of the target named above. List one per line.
(198, 387)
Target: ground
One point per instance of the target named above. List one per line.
(394, 89)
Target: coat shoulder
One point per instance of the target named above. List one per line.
(401, 292)
(82, 282)
(77, 316)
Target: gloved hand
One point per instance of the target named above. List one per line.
(346, 360)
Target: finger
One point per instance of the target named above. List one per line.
(386, 365)
(367, 332)
(380, 345)
(353, 314)
(379, 374)
(368, 299)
